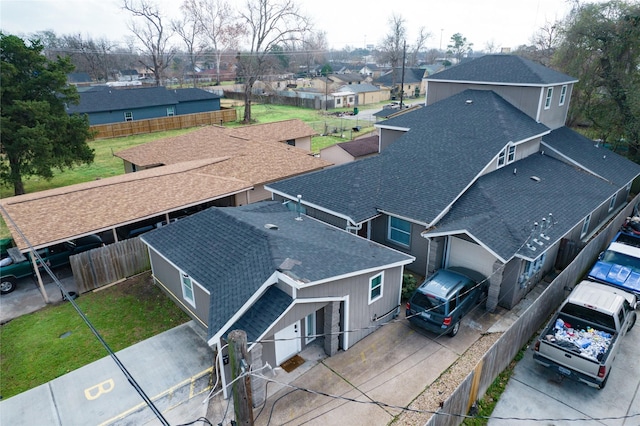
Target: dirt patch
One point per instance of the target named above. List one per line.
(438, 392)
(140, 286)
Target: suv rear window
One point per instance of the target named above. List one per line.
(429, 302)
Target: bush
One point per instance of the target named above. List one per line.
(409, 285)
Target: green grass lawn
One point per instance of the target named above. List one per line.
(33, 351)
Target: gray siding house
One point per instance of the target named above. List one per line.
(485, 176)
(286, 279)
(105, 105)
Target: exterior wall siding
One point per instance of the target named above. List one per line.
(555, 116)
(192, 107)
(182, 108)
(336, 155)
(387, 137)
(418, 245)
(169, 280)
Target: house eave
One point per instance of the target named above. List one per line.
(498, 83)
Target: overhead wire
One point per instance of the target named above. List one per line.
(95, 332)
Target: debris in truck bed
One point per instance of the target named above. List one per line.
(590, 343)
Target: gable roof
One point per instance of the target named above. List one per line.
(279, 131)
(255, 161)
(411, 75)
(499, 210)
(502, 69)
(361, 147)
(424, 165)
(591, 156)
(359, 88)
(108, 99)
(221, 247)
(55, 215)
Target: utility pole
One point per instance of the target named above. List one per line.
(404, 59)
(241, 388)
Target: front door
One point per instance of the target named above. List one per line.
(287, 342)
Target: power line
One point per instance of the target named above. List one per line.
(66, 295)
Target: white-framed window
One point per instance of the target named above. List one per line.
(502, 158)
(338, 101)
(585, 226)
(171, 111)
(531, 268)
(128, 116)
(310, 328)
(511, 154)
(399, 231)
(375, 288)
(563, 94)
(547, 101)
(612, 202)
(187, 290)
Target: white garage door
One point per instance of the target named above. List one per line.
(470, 255)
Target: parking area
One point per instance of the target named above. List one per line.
(535, 393)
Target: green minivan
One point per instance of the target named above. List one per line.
(444, 298)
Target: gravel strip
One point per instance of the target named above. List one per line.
(438, 391)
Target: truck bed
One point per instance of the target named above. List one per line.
(588, 340)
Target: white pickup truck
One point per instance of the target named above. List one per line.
(583, 337)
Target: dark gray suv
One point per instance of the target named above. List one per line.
(443, 299)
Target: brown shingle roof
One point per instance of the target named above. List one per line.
(231, 165)
(361, 147)
(280, 131)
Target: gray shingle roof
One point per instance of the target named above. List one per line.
(359, 88)
(259, 317)
(411, 75)
(109, 99)
(592, 156)
(500, 208)
(506, 69)
(232, 253)
(423, 171)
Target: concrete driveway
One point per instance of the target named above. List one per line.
(535, 392)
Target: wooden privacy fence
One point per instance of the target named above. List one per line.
(128, 128)
(98, 267)
(507, 346)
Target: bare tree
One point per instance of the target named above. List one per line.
(218, 25)
(545, 41)
(421, 40)
(190, 31)
(88, 55)
(152, 34)
(314, 47)
(270, 23)
(490, 47)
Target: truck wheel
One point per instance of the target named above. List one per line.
(7, 285)
(454, 329)
(604, 383)
(632, 322)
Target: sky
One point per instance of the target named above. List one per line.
(353, 23)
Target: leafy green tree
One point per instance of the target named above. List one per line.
(459, 47)
(38, 135)
(601, 47)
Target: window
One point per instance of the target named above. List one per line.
(291, 142)
(612, 202)
(187, 290)
(531, 268)
(375, 288)
(338, 101)
(128, 116)
(563, 94)
(547, 102)
(399, 231)
(310, 328)
(511, 154)
(585, 226)
(501, 158)
(171, 111)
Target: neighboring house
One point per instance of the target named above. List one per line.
(370, 70)
(349, 78)
(365, 93)
(485, 176)
(79, 79)
(128, 75)
(286, 280)
(291, 132)
(413, 85)
(211, 166)
(106, 105)
(344, 99)
(346, 152)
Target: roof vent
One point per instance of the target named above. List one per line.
(468, 102)
(536, 178)
(271, 226)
